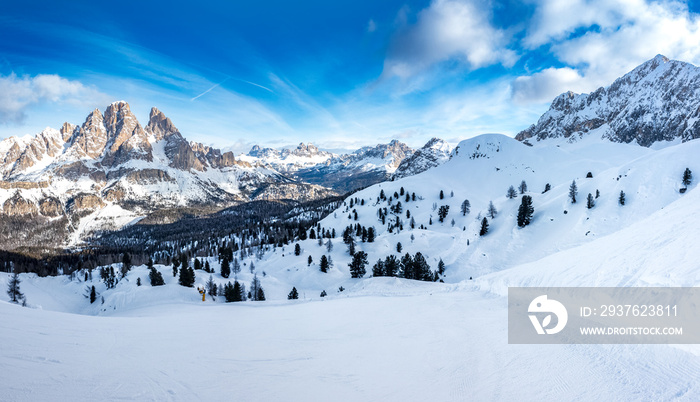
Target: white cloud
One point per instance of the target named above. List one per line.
(545, 85)
(620, 35)
(17, 94)
(446, 30)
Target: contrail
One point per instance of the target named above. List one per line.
(208, 90)
(227, 78)
(257, 85)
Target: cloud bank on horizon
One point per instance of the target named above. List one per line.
(340, 75)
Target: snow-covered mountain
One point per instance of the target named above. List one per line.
(342, 173)
(111, 170)
(657, 101)
(434, 153)
(287, 160)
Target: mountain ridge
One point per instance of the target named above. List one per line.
(658, 101)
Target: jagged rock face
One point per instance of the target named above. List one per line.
(149, 176)
(434, 153)
(18, 206)
(181, 156)
(127, 139)
(657, 101)
(50, 207)
(160, 126)
(67, 131)
(85, 202)
(48, 143)
(91, 139)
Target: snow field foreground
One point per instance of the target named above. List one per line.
(436, 344)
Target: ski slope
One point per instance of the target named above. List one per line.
(390, 338)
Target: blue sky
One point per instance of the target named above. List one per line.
(340, 74)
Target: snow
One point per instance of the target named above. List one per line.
(389, 338)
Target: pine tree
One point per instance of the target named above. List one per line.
(622, 198)
(13, 289)
(466, 205)
(391, 266)
(522, 187)
(406, 267)
(93, 294)
(229, 295)
(126, 264)
(155, 277)
(357, 265)
(590, 203)
(421, 269)
(442, 195)
(310, 260)
(484, 227)
(187, 276)
(492, 210)
(149, 265)
(525, 211)
(442, 212)
(236, 269)
(293, 295)
(237, 292)
(547, 187)
(597, 194)
(378, 268)
(207, 267)
(225, 268)
(687, 177)
(323, 293)
(511, 193)
(573, 191)
(370, 234)
(211, 286)
(399, 247)
(441, 267)
(197, 264)
(297, 249)
(138, 281)
(323, 266)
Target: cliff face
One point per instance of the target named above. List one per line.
(657, 101)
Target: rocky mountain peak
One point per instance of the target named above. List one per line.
(434, 153)
(67, 130)
(657, 101)
(91, 139)
(159, 125)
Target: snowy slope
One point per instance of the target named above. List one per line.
(390, 338)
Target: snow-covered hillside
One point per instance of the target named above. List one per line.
(392, 338)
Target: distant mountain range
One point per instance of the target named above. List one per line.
(111, 171)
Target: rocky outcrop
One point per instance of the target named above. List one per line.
(85, 202)
(90, 140)
(149, 176)
(127, 139)
(159, 125)
(18, 206)
(434, 153)
(657, 101)
(50, 207)
(181, 156)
